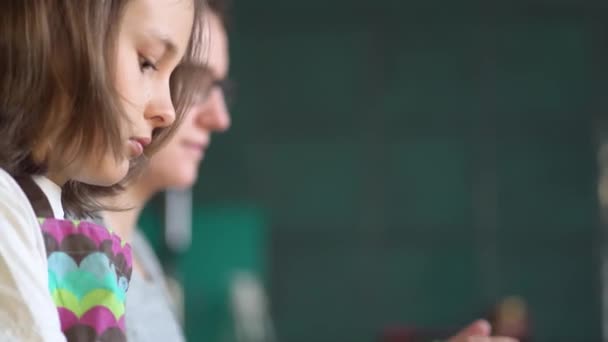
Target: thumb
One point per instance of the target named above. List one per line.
(478, 328)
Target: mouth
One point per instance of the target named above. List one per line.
(197, 148)
(137, 145)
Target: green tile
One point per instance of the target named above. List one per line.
(543, 67)
(309, 183)
(430, 182)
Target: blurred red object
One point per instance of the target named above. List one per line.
(398, 334)
(411, 334)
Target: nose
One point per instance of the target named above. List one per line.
(160, 111)
(214, 115)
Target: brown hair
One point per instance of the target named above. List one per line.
(193, 77)
(221, 9)
(57, 95)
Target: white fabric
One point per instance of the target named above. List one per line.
(53, 194)
(27, 311)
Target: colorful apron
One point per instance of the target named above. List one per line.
(89, 272)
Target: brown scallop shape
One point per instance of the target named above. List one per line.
(77, 246)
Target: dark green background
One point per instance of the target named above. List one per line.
(406, 162)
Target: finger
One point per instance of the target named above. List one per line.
(478, 328)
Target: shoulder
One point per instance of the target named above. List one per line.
(8, 183)
(12, 199)
(16, 213)
(146, 255)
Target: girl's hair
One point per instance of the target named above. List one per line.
(57, 93)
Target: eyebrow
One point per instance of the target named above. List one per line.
(160, 36)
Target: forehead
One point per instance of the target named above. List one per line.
(216, 43)
(166, 20)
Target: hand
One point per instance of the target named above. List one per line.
(479, 331)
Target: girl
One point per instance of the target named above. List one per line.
(150, 315)
(84, 96)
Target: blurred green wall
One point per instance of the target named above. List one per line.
(414, 161)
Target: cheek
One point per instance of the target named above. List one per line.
(167, 157)
(172, 153)
(131, 85)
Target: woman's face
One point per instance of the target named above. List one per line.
(176, 164)
(152, 39)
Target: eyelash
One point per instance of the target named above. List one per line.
(145, 63)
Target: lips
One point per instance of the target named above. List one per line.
(143, 141)
(137, 145)
(197, 148)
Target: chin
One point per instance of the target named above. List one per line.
(104, 179)
(110, 180)
(184, 179)
(112, 177)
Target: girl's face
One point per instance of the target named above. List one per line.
(176, 164)
(152, 39)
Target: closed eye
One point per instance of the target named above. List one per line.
(145, 64)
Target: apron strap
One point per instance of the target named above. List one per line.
(37, 198)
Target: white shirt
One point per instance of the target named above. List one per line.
(27, 311)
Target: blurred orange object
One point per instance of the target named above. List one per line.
(510, 318)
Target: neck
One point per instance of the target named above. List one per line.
(134, 198)
(57, 178)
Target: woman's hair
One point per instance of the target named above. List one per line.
(221, 9)
(194, 76)
(57, 89)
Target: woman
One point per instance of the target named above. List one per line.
(149, 314)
